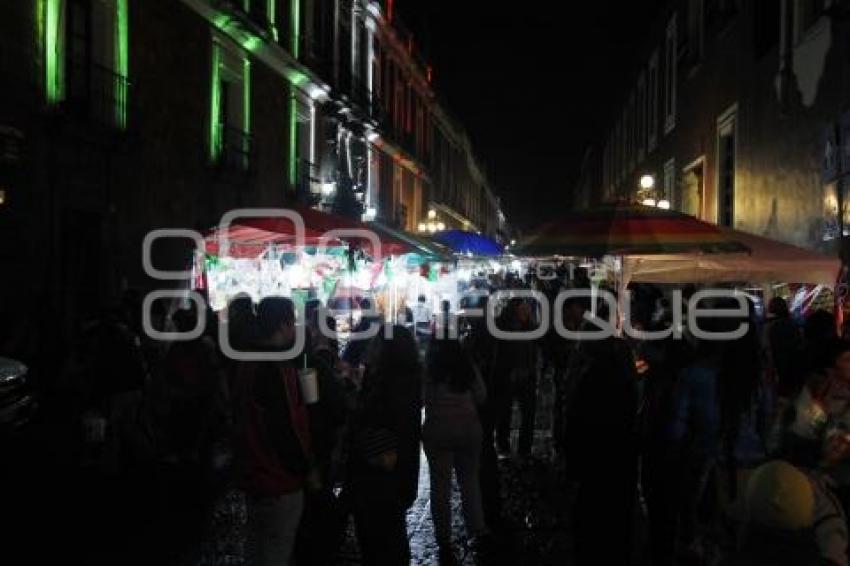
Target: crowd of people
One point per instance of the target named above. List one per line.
(726, 452)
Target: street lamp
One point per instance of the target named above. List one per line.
(647, 181)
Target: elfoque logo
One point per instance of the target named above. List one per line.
(545, 314)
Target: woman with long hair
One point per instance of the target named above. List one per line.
(452, 438)
(386, 432)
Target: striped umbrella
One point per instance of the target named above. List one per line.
(627, 229)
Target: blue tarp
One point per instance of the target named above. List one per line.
(469, 243)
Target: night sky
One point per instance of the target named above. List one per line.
(497, 67)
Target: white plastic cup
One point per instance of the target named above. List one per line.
(309, 382)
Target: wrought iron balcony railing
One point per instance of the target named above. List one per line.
(96, 93)
(237, 149)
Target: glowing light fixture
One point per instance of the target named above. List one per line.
(423, 227)
(648, 202)
(293, 137)
(441, 226)
(432, 214)
(664, 203)
(295, 21)
(54, 83)
(121, 62)
(215, 103)
(647, 181)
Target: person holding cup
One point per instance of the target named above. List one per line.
(273, 438)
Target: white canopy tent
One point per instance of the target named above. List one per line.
(768, 261)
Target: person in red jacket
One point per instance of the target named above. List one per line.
(273, 439)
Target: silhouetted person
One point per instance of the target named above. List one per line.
(516, 377)
(600, 447)
(452, 438)
(783, 346)
(384, 462)
(273, 439)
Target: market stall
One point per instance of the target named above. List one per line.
(343, 263)
(767, 261)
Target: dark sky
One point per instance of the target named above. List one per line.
(532, 82)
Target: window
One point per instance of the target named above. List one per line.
(262, 11)
(621, 153)
(670, 66)
(640, 110)
(669, 186)
(79, 50)
(307, 177)
(696, 42)
(605, 168)
(231, 105)
(691, 199)
(632, 136)
(92, 38)
(652, 105)
(726, 168)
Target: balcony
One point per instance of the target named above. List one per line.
(254, 21)
(314, 52)
(307, 183)
(96, 94)
(237, 149)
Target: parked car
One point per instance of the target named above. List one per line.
(17, 401)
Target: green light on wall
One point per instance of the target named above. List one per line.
(122, 61)
(215, 103)
(49, 22)
(246, 109)
(272, 12)
(296, 27)
(296, 77)
(293, 136)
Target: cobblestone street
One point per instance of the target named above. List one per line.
(535, 497)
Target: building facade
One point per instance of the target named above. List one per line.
(118, 117)
(736, 111)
